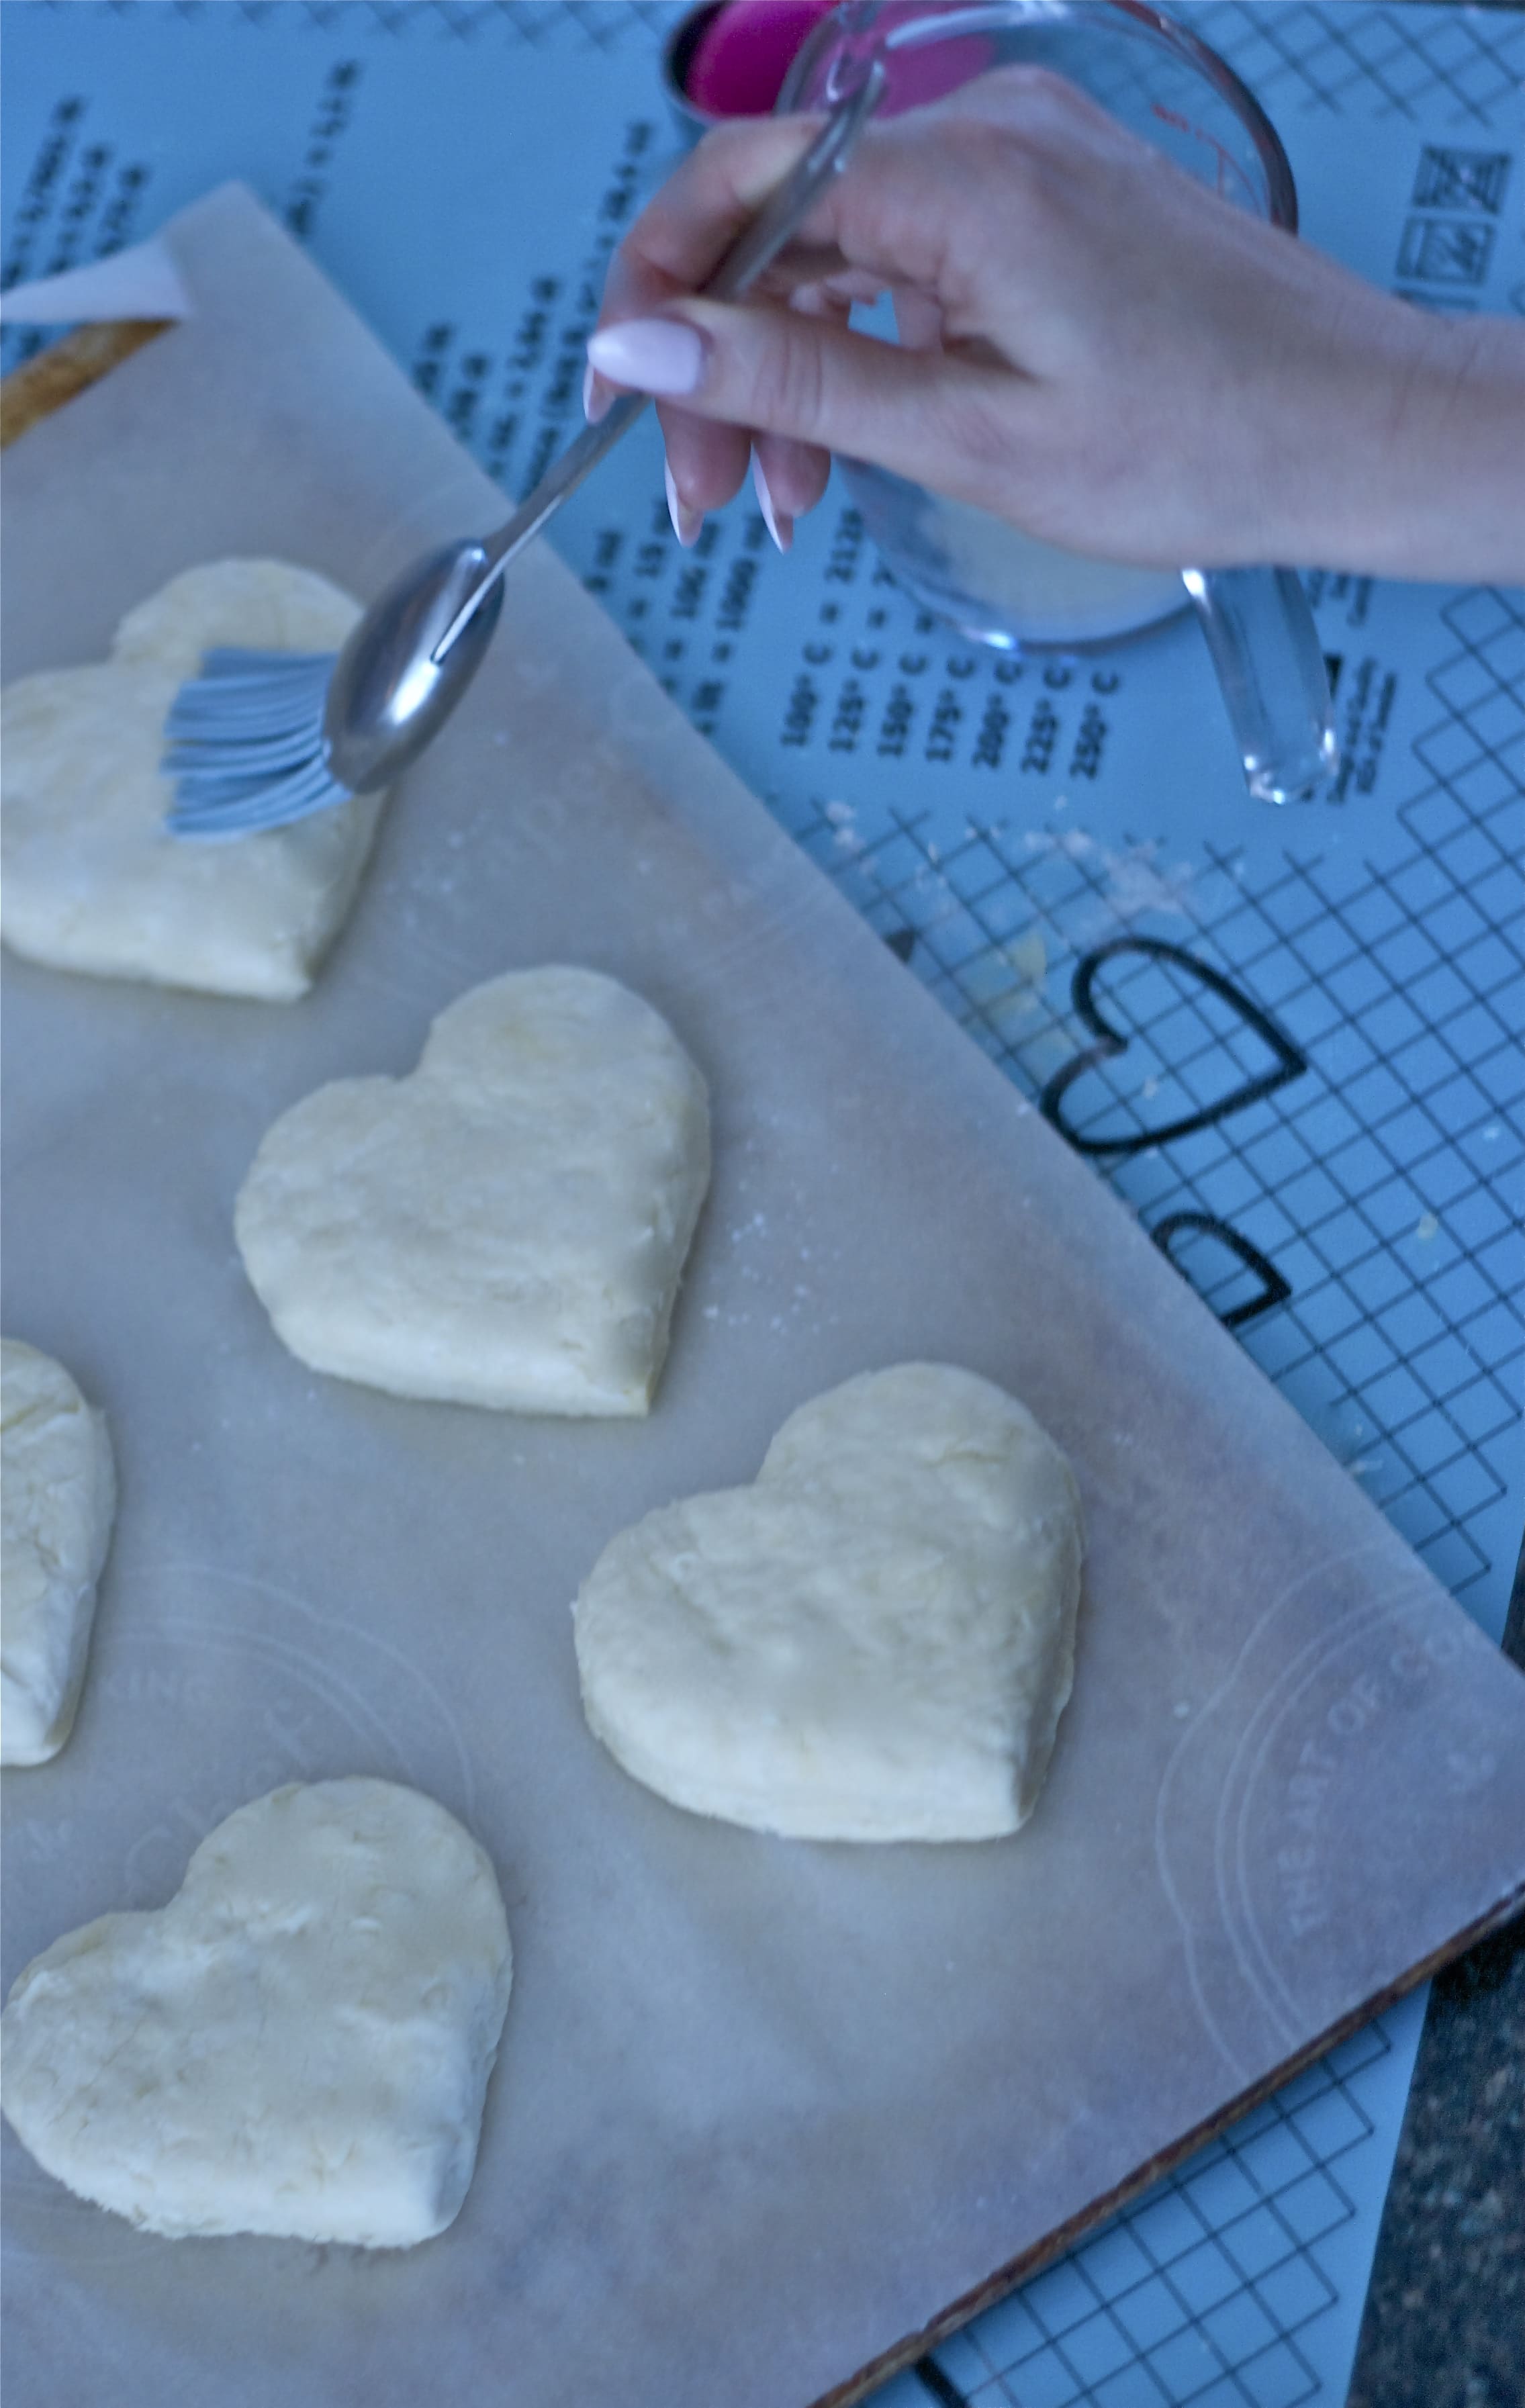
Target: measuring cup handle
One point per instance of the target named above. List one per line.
(1265, 649)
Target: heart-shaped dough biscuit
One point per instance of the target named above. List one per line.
(299, 2043)
(506, 1225)
(94, 881)
(59, 1494)
(874, 1641)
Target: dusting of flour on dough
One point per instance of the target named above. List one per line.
(299, 2043)
(505, 1226)
(58, 1495)
(92, 880)
(874, 1640)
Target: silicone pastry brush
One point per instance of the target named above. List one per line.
(262, 739)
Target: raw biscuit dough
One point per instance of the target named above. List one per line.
(299, 2043)
(505, 1226)
(59, 1495)
(873, 1642)
(92, 880)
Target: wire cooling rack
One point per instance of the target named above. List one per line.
(1202, 2290)
(1460, 65)
(1309, 1084)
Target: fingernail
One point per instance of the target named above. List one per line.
(596, 397)
(652, 354)
(685, 523)
(780, 526)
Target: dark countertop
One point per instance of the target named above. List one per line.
(1444, 2321)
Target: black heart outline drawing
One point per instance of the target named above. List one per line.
(1274, 1288)
(1290, 1061)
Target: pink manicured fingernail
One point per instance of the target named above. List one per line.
(651, 354)
(685, 523)
(596, 397)
(779, 524)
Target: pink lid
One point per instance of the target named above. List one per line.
(742, 55)
(745, 52)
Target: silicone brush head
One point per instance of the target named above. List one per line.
(262, 739)
(257, 741)
(245, 744)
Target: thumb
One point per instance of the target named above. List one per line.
(927, 415)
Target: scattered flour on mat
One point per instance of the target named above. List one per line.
(1136, 882)
(843, 821)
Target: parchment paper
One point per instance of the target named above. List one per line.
(763, 2111)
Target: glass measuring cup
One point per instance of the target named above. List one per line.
(984, 575)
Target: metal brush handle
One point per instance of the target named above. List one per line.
(755, 249)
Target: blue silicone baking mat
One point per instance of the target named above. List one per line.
(1292, 1042)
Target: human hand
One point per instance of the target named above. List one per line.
(1093, 346)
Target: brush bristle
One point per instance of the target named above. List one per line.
(245, 744)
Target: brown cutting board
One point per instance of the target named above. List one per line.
(766, 2113)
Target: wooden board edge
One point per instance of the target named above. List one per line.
(1007, 2278)
(45, 382)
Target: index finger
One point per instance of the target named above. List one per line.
(685, 230)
